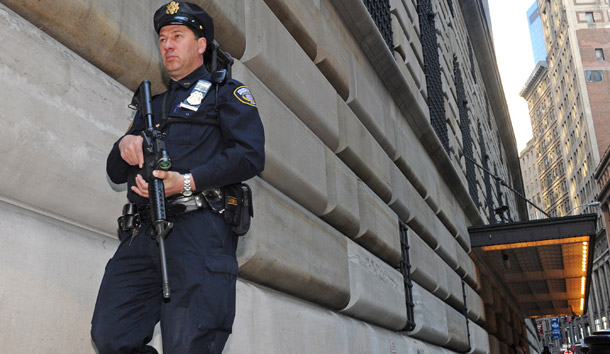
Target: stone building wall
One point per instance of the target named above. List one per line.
(350, 153)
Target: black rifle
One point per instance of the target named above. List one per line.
(155, 158)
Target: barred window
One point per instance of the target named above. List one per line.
(380, 12)
(432, 69)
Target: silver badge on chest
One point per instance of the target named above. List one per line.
(200, 90)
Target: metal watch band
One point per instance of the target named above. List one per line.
(187, 189)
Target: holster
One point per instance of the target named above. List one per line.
(129, 220)
(238, 208)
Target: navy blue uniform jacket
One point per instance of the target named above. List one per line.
(216, 155)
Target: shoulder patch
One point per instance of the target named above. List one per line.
(244, 95)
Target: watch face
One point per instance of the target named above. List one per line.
(187, 193)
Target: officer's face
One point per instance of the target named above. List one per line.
(181, 50)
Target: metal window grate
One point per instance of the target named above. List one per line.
(488, 188)
(405, 270)
(432, 68)
(380, 12)
(462, 103)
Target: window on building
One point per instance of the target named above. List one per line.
(589, 16)
(380, 12)
(594, 75)
(599, 54)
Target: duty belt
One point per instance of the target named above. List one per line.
(176, 206)
(134, 215)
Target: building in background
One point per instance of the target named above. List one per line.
(536, 33)
(569, 102)
(600, 310)
(531, 180)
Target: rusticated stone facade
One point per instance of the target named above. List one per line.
(351, 152)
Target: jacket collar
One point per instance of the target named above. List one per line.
(193, 77)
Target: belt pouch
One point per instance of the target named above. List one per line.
(238, 207)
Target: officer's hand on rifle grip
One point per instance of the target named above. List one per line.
(131, 150)
(172, 181)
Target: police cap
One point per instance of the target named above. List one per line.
(188, 14)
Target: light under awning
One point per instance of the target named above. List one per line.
(544, 263)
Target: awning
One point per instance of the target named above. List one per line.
(544, 263)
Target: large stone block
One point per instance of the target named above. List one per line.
(379, 232)
(425, 269)
(475, 306)
(406, 40)
(446, 247)
(430, 317)
(418, 167)
(479, 340)
(452, 215)
(50, 273)
(456, 292)
(280, 63)
(468, 269)
(427, 225)
(413, 160)
(124, 30)
(301, 19)
(404, 195)
(342, 211)
(436, 322)
(336, 47)
(369, 100)
(294, 156)
(377, 291)
(59, 121)
(458, 331)
(359, 150)
(289, 325)
(291, 250)
(419, 96)
(412, 29)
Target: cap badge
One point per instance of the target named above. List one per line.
(172, 8)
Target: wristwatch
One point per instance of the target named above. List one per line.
(187, 191)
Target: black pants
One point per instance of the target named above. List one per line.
(202, 274)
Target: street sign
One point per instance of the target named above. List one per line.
(555, 329)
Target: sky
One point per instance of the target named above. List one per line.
(515, 59)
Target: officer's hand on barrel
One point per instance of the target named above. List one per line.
(131, 150)
(172, 181)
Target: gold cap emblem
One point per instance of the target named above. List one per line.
(172, 8)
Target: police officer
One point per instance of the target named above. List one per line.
(214, 139)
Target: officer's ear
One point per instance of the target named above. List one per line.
(202, 44)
